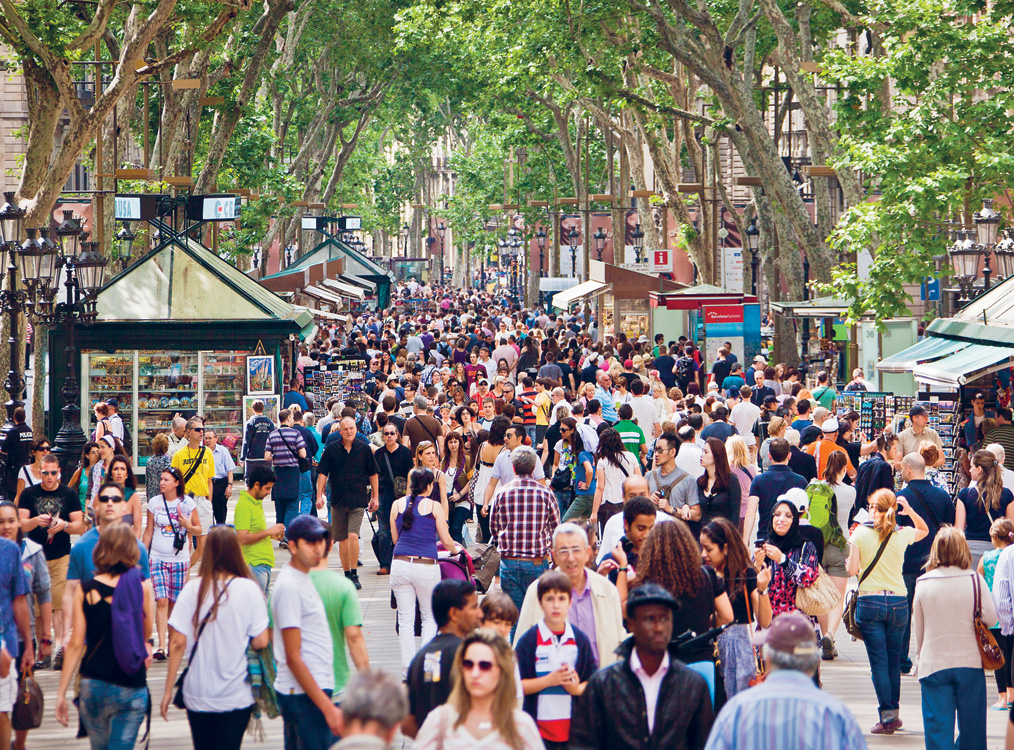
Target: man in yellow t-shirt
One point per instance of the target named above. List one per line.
(201, 482)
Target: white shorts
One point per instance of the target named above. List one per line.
(205, 514)
(8, 690)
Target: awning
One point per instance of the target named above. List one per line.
(971, 363)
(345, 290)
(566, 298)
(318, 313)
(927, 350)
(819, 307)
(324, 295)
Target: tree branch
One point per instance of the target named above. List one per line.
(95, 29)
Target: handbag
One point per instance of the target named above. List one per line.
(400, 484)
(30, 704)
(991, 653)
(562, 478)
(820, 597)
(852, 599)
(758, 657)
(304, 463)
(178, 696)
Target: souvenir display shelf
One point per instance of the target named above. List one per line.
(152, 387)
(342, 379)
(877, 410)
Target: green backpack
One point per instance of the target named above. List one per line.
(823, 512)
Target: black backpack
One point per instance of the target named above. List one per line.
(685, 370)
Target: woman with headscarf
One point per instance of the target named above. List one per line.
(794, 560)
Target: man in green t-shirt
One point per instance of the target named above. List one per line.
(252, 527)
(824, 393)
(344, 618)
(631, 435)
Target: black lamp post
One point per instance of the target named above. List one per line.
(540, 237)
(964, 254)
(987, 222)
(638, 237)
(124, 240)
(405, 231)
(441, 229)
(255, 256)
(12, 218)
(753, 240)
(572, 237)
(600, 242)
(806, 297)
(84, 274)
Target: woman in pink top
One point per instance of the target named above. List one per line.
(742, 469)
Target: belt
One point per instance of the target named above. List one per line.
(417, 560)
(533, 560)
(879, 593)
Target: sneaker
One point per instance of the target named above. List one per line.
(383, 572)
(827, 649)
(58, 661)
(354, 577)
(45, 662)
(897, 724)
(283, 544)
(884, 727)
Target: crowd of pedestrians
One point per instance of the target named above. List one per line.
(591, 542)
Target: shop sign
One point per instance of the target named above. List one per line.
(660, 261)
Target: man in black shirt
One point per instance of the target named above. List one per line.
(394, 462)
(456, 610)
(351, 463)
(17, 446)
(722, 367)
(49, 513)
(665, 363)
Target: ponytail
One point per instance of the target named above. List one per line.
(884, 501)
(990, 484)
(418, 479)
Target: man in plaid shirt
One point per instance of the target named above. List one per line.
(522, 522)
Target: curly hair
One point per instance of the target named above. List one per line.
(671, 558)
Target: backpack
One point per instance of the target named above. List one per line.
(823, 512)
(128, 441)
(685, 370)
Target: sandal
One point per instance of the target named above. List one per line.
(159, 655)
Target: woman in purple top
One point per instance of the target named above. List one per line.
(417, 522)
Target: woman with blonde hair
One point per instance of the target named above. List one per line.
(1001, 533)
(950, 666)
(426, 457)
(776, 429)
(664, 407)
(482, 710)
(742, 468)
(979, 506)
(876, 556)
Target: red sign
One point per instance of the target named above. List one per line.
(723, 314)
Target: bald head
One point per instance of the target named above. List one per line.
(635, 485)
(914, 466)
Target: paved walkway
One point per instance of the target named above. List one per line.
(847, 677)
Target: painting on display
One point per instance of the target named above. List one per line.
(260, 375)
(272, 405)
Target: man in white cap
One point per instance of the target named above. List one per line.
(821, 449)
(785, 709)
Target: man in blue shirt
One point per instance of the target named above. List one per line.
(13, 604)
(787, 710)
(802, 421)
(766, 488)
(735, 381)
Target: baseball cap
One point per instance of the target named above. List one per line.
(979, 396)
(830, 425)
(760, 358)
(643, 339)
(771, 399)
(796, 496)
(790, 633)
(306, 527)
(651, 593)
(917, 410)
(113, 402)
(628, 363)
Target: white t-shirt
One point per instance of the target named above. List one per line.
(645, 414)
(613, 532)
(162, 538)
(217, 681)
(295, 603)
(503, 470)
(743, 417)
(689, 459)
(27, 475)
(611, 478)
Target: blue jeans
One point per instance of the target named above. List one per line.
(906, 660)
(304, 727)
(305, 504)
(564, 498)
(882, 620)
(960, 691)
(263, 575)
(286, 509)
(530, 432)
(112, 715)
(517, 575)
(456, 526)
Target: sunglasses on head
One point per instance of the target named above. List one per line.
(484, 666)
(112, 499)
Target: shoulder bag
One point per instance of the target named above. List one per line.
(400, 484)
(760, 667)
(991, 653)
(852, 598)
(178, 696)
(304, 463)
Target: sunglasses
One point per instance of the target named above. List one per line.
(50, 473)
(43, 448)
(390, 434)
(484, 666)
(197, 429)
(112, 499)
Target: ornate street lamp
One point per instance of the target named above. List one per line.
(572, 238)
(987, 222)
(600, 241)
(638, 237)
(540, 237)
(125, 241)
(441, 230)
(753, 241)
(964, 255)
(1004, 254)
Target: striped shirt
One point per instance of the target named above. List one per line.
(785, 712)
(1004, 435)
(284, 444)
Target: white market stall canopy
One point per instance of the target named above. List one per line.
(566, 298)
(970, 363)
(344, 289)
(927, 350)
